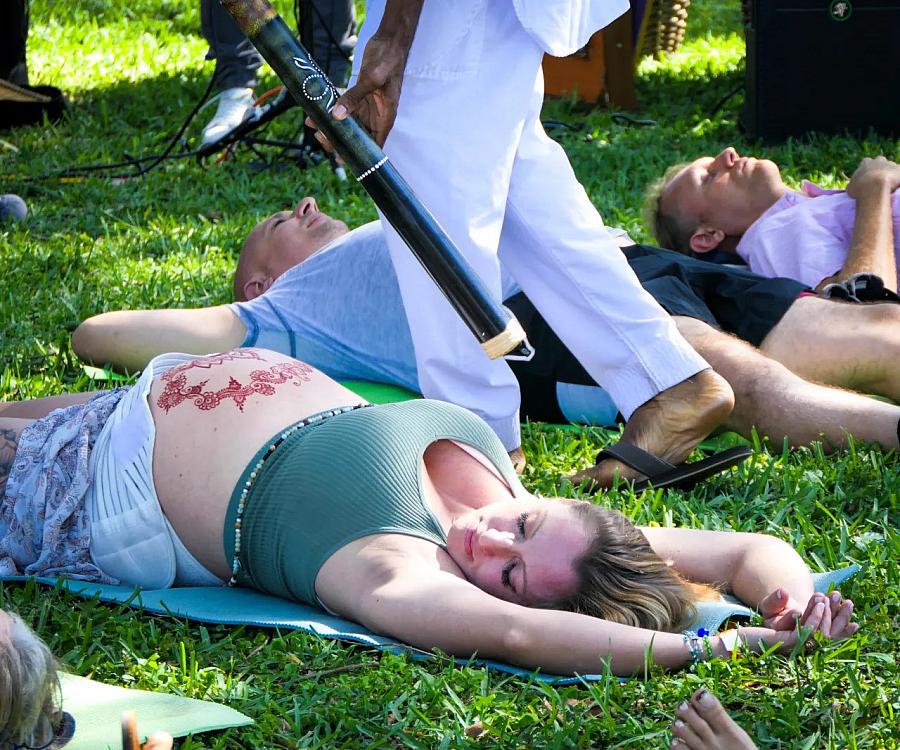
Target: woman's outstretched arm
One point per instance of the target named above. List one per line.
(750, 566)
(434, 609)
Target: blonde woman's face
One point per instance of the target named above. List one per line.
(521, 550)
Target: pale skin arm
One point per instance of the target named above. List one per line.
(760, 570)
(872, 245)
(434, 609)
(129, 339)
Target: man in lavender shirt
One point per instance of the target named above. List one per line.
(740, 205)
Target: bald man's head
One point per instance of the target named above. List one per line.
(279, 243)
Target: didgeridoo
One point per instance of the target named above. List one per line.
(496, 329)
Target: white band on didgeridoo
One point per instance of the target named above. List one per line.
(506, 341)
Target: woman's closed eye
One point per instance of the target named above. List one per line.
(523, 517)
(505, 575)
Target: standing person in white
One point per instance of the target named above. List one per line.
(467, 136)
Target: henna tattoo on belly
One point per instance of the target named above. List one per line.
(262, 382)
(207, 363)
(9, 444)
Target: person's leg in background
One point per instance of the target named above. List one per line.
(840, 343)
(454, 143)
(331, 35)
(780, 404)
(455, 140)
(236, 64)
(13, 41)
(768, 397)
(327, 26)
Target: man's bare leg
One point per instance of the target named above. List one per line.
(779, 403)
(670, 425)
(703, 724)
(840, 343)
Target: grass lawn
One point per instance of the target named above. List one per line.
(133, 70)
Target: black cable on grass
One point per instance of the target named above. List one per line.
(304, 26)
(153, 159)
(724, 100)
(304, 23)
(622, 117)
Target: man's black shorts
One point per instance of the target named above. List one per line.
(730, 298)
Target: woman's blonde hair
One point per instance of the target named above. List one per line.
(621, 578)
(30, 698)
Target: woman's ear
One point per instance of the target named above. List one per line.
(706, 239)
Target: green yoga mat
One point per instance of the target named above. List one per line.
(97, 709)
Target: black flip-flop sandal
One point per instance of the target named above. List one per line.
(661, 473)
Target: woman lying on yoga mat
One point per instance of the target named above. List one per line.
(31, 716)
(407, 518)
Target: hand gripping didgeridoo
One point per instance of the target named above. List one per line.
(498, 332)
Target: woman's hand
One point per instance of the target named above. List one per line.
(828, 614)
(780, 611)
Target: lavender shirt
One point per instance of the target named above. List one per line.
(806, 236)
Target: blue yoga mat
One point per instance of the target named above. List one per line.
(239, 606)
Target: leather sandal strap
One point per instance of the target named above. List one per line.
(635, 458)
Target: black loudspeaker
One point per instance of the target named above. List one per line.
(822, 65)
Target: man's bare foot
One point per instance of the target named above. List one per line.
(670, 425)
(518, 460)
(703, 724)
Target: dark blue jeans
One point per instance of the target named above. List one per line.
(329, 33)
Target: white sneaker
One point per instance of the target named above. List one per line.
(234, 106)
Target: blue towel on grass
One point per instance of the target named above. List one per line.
(239, 606)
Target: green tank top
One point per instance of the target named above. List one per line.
(342, 478)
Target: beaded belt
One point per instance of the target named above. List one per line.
(254, 473)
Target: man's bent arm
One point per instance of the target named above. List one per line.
(129, 339)
(872, 245)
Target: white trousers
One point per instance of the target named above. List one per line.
(469, 140)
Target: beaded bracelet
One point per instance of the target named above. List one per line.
(698, 644)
